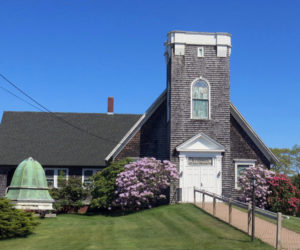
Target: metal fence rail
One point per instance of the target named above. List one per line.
(222, 208)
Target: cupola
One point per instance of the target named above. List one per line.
(28, 189)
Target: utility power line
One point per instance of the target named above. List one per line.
(44, 108)
(20, 98)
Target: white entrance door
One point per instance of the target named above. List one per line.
(201, 172)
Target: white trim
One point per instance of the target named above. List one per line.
(95, 170)
(209, 98)
(247, 162)
(184, 181)
(117, 149)
(199, 38)
(252, 134)
(56, 174)
(183, 147)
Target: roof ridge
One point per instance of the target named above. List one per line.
(75, 113)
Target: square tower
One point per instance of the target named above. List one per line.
(198, 98)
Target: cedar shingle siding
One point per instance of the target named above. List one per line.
(182, 71)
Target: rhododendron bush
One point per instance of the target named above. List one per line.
(283, 195)
(144, 183)
(262, 189)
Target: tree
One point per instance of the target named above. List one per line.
(70, 194)
(296, 158)
(104, 184)
(284, 155)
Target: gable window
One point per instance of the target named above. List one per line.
(53, 175)
(87, 173)
(240, 167)
(200, 100)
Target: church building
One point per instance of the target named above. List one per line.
(192, 123)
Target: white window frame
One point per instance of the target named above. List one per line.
(238, 162)
(56, 174)
(209, 98)
(198, 51)
(95, 170)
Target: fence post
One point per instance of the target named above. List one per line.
(203, 200)
(214, 205)
(249, 217)
(230, 211)
(278, 233)
(194, 195)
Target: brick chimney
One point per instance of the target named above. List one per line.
(110, 106)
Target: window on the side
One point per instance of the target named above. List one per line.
(53, 176)
(200, 100)
(240, 167)
(61, 176)
(87, 174)
(200, 161)
(50, 177)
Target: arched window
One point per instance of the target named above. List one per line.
(200, 100)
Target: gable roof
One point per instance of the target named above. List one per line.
(233, 111)
(137, 126)
(52, 142)
(252, 134)
(200, 143)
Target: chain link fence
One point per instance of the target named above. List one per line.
(268, 225)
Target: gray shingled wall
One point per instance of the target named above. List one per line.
(182, 71)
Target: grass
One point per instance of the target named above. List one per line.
(293, 224)
(168, 227)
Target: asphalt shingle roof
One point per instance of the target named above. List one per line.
(52, 142)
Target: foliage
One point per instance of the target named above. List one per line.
(262, 175)
(104, 184)
(143, 183)
(70, 194)
(296, 181)
(283, 196)
(289, 160)
(14, 222)
(296, 158)
(284, 155)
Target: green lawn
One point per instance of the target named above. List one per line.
(293, 223)
(168, 227)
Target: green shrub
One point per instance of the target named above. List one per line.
(70, 194)
(283, 197)
(104, 184)
(14, 222)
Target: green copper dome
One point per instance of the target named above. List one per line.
(29, 183)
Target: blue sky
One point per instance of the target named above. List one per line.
(72, 55)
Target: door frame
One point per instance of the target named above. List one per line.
(183, 164)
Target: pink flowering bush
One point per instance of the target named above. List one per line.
(283, 197)
(262, 190)
(144, 183)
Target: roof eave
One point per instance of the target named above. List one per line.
(252, 134)
(118, 148)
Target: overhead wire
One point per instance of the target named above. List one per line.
(20, 98)
(49, 111)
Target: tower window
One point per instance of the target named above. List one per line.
(200, 100)
(200, 52)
